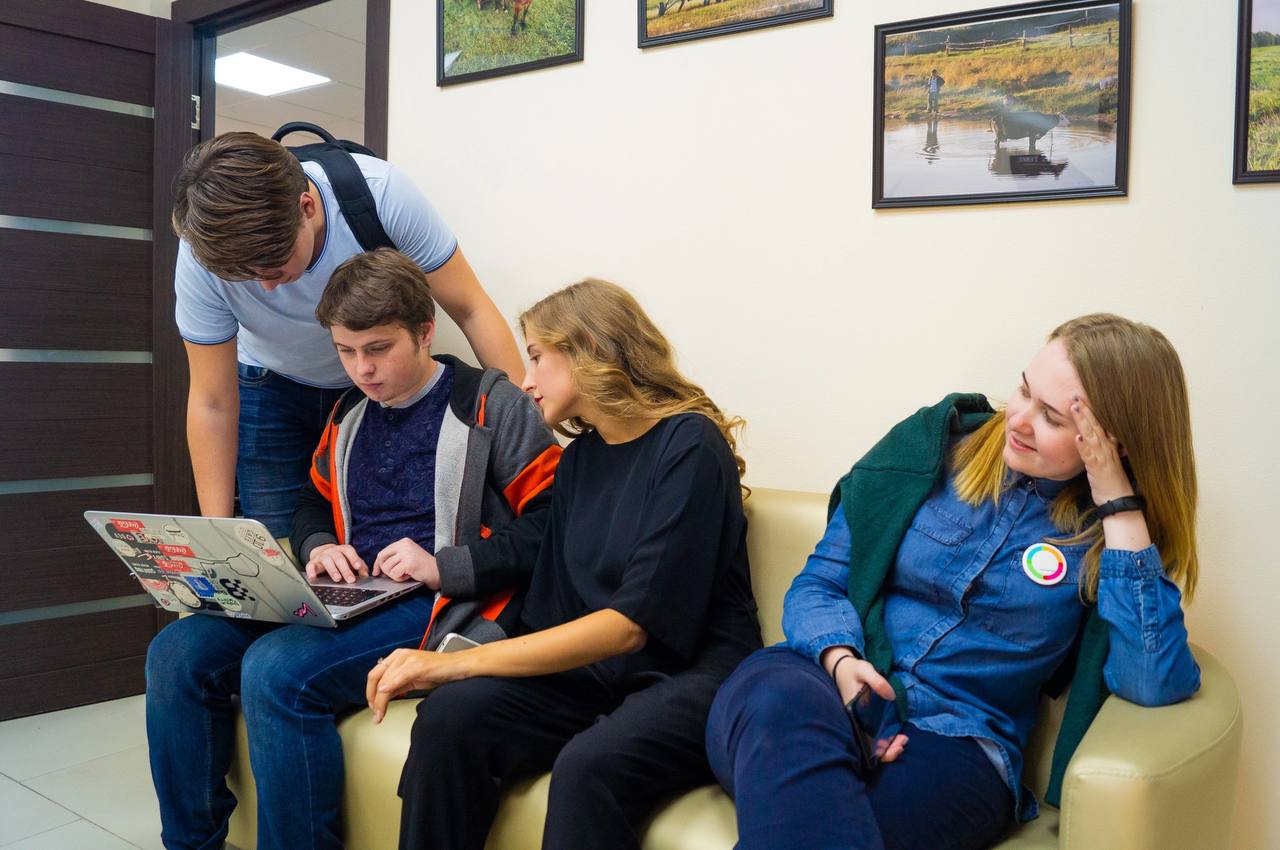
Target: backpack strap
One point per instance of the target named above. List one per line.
(354, 198)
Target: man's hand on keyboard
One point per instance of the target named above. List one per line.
(337, 562)
(404, 560)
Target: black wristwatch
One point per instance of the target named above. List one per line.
(1116, 506)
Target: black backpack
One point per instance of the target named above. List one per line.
(354, 198)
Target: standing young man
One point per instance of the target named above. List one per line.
(429, 469)
(261, 234)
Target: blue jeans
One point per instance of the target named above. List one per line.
(281, 422)
(293, 682)
(780, 743)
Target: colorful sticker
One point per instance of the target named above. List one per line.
(176, 535)
(127, 524)
(273, 555)
(302, 610)
(253, 538)
(175, 551)
(236, 589)
(202, 586)
(172, 566)
(1044, 564)
(157, 585)
(167, 602)
(184, 594)
(228, 602)
(124, 549)
(116, 534)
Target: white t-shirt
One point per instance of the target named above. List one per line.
(278, 329)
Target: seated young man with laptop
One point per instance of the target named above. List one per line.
(429, 470)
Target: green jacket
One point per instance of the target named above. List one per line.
(880, 496)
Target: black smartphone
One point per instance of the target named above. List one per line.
(875, 723)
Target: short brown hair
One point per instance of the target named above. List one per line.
(236, 203)
(377, 288)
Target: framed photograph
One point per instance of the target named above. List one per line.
(667, 21)
(479, 39)
(1257, 156)
(1019, 103)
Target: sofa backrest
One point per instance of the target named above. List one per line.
(783, 526)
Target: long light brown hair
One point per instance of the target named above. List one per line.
(1134, 383)
(621, 362)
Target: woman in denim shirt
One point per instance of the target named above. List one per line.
(982, 603)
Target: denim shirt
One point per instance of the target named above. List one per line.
(975, 639)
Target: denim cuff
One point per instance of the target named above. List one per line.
(1120, 563)
(320, 538)
(816, 646)
(457, 572)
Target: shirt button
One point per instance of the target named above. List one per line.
(387, 444)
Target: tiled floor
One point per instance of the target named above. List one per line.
(78, 779)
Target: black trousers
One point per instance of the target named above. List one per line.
(614, 753)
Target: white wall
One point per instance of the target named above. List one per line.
(727, 183)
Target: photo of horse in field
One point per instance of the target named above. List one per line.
(1263, 120)
(663, 21)
(1029, 103)
(486, 38)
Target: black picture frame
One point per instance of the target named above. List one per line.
(444, 79)
(822, 9)
(1032, 163)
(1240, 171)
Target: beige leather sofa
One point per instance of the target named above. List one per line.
(1142, 778)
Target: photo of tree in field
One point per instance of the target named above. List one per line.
(992, 109)
(487, 38)
(663, 21)
(1263, 146)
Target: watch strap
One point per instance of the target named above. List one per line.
(1124, 503)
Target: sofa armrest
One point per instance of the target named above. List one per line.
(1157, 778)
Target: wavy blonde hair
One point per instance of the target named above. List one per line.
(621, 362)
(1136, 388)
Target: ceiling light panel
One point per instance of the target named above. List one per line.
(251, 73)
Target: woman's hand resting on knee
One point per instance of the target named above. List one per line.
(406, 670)
(851, 676)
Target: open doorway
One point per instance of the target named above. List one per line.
(342, 42)
(308, 65)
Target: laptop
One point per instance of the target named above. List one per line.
(232, 567)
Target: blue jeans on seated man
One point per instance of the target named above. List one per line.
(293, 683)
(281, 422)
(781, 744)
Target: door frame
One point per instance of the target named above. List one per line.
(197, 23)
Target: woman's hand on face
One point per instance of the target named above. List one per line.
(400, 672)
(851, 677)
(1101, 455)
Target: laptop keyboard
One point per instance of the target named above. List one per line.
(344, 597)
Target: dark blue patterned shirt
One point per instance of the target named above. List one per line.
(392, 470)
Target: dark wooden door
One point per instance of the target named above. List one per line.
(91, 370)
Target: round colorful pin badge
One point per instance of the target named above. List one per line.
(1044, 564)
